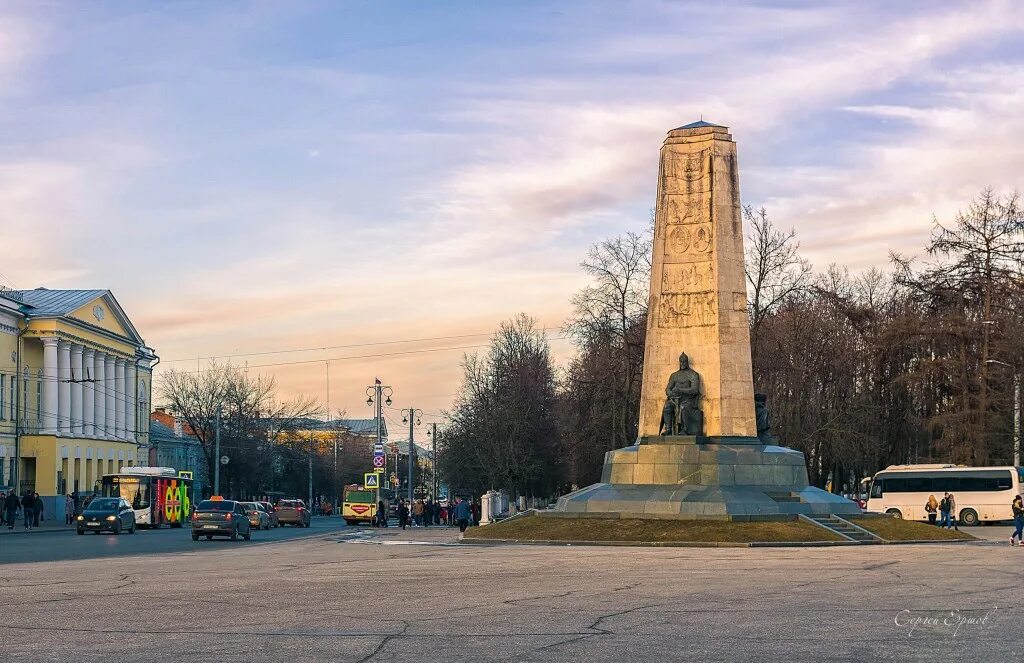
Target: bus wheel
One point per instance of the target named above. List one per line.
(895, 513)
(969, 517)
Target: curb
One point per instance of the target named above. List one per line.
(696, 544)
(37, 530)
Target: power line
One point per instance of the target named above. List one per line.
(368, 356)
(339, 347)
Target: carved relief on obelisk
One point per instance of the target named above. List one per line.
(698, 295)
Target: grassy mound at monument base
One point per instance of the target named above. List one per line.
(537, 528)
(895, 529)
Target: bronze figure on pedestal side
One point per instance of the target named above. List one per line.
(681, 414)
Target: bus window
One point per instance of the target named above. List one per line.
(142, 496)
(876, 488)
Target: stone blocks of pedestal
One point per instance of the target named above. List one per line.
(683, 477)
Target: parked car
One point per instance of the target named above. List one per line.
(271, 513)
(107, 513)
(258, 518)
(293, 512)
(220, 517)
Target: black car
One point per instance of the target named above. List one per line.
(107, 513)
(220, 517)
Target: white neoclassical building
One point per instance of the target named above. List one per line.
(77, 384)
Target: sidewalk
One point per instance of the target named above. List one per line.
(44, 526)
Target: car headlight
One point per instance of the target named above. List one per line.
(80, 518)
(111, 518)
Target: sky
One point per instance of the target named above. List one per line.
(251, 177)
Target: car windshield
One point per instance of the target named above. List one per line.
(103, 504)
(250, 506)
(220, 505)
(289, 504)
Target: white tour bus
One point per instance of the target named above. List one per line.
(981, 493)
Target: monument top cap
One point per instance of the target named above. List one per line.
(700, 124)
(698, 131)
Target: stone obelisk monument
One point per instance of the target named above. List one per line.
(698, 454)
(698, 301)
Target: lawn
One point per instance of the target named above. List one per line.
(537, 528)
(895, 529)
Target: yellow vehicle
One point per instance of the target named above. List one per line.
(360, 506)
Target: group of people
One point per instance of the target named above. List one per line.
(946, 507)
(426, 513)
(29, 504)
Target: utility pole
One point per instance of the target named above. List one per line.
(216, 456)
(1016, 419)
(412, 419)
(310, 503)
(334, 483)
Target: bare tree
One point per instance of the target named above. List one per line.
(252, 419)
(775, 271)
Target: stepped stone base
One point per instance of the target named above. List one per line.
(682, 476)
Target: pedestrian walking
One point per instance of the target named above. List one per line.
(77, 499)
(37, 509)
(944, 510)
(28, 509)
(931, 508)
(428, 513)
(403, 514)
(952, 512)
(382, 514)
(462, 514)
(417, 510)
(11, 505)
(69, 510)
(1018, 520)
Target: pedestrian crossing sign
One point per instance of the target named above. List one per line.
(370, 480)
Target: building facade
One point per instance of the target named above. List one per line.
(77, 379)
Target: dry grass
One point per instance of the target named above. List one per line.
(536, 528)
(894, 529)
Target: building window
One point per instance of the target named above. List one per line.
(39, 399)
(3, 389)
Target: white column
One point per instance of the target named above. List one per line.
(100, 406)
(130, 407)
(119, 399)
(63, 387)
(49, 414)
(109, 395)
(76, 389)
(88, 392)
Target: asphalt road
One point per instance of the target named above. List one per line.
(360, 595)
(64, 545)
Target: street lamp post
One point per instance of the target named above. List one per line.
(376, 393)
(412, 417)
(1016, 409)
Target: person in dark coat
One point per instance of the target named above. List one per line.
(403, 514)
(37, 509)
(11, 505)
(28, 509)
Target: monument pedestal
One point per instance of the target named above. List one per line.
(681, 476)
